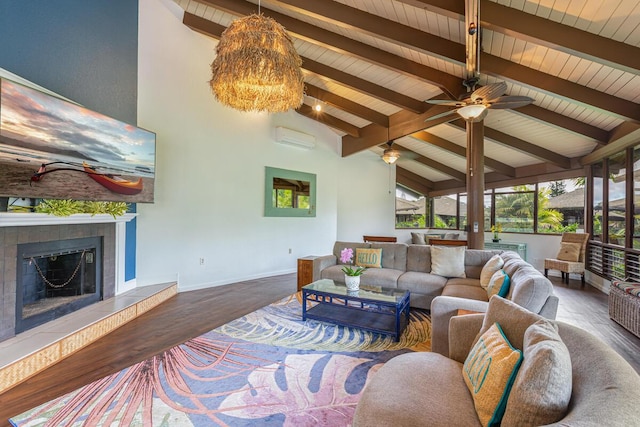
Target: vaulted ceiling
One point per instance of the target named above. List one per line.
(372, 64)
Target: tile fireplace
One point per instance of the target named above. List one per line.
(41, 253)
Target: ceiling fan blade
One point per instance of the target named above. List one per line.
(445, 114)
(445, 102)
(489, 92)
(510, 102)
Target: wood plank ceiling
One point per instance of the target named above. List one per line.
(373, 63)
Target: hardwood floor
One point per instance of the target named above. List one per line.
(190, 314)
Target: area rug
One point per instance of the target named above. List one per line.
(268, 368)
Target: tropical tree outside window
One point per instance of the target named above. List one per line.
(445, 211)
(515, 209)
(598, 197)
(561, 206)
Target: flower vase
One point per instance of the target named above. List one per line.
(352, 282)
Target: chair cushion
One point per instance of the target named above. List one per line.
(569, 252)
(494, 264)
(489, 372)
(541, 392)
(448, 261)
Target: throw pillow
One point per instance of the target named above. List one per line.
(499, 284)
(541, 392)
(489, 372)
(515, 320)
(494, 264)
(569, 252)
(371, 258)
(448, 261)
(417, 238)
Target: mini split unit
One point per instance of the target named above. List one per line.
(294, 138)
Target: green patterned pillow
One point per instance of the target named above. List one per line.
(371, 258)
(489, 372)
(499, 284)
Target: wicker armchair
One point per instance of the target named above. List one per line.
(564, 263)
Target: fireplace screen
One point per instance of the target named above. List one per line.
(56, 278)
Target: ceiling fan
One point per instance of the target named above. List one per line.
(475, 107)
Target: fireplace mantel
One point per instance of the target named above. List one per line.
(31, 219)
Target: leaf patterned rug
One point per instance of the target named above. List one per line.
(268, 368)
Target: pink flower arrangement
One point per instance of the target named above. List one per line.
(346, 257)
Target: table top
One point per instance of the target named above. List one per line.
(366, 292)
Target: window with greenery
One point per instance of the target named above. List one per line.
(411, 209)
(636, 198)
(616, 197)
(597, 171)
(515, 209)
(445, 211)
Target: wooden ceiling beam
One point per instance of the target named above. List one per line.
(521, 145)
(447, 170)
(449, 84)
(382, 93)
(347, 105)
(413, 181)
(329, 120)
(556, 86)
(460, 151)
(545, 32)
(623, 136)
(351, 18)
(554, 35)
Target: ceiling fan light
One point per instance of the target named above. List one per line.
(471, 112)
(257, 67)
(390, 156)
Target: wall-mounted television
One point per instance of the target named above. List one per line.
(55, 149)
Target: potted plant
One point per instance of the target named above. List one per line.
(351, 274)
(495, 229)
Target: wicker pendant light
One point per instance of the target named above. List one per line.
(257, 67)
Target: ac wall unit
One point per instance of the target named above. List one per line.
(295, 138)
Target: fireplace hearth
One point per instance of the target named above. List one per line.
(56, 278)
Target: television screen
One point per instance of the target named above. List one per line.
(52, 148)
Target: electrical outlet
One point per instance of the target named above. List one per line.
(201, 261)
(289, 250)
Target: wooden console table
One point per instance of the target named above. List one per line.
(385, 239)
(447, 242)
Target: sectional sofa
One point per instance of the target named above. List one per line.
(408, 267)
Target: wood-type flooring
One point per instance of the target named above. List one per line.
(190, 314)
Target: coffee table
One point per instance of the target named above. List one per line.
(373, 308)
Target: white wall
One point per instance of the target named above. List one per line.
(210, 165)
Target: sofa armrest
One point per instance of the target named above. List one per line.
(462, 333)
(322, 262)
(443, 308)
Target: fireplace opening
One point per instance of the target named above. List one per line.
(56, 278)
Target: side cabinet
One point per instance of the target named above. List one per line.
(520, 248)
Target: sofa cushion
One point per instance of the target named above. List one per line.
(386, 401)
(338, 247)
(499, 284)
(448, 261)
(369, 257)
(419, 258)
(489, 372)
(394, 255)
(541, 392)
(422, 283)
(494, 264)
(475, 260)
(515, 320)
(529, 288)
(465, 288)
(569, 252)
